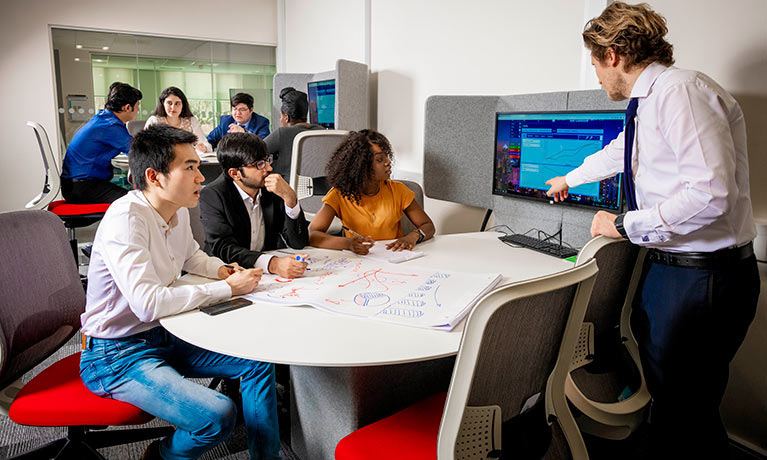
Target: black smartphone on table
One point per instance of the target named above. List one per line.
(223, 307)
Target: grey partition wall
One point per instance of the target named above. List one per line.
(459, 151)
(352, 89)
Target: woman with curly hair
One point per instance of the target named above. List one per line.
(366, 200)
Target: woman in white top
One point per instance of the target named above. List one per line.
(173, 110)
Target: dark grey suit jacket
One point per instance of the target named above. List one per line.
(227, 225)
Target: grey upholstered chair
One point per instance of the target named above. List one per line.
(408, 226)
(42, 303)
(514, 356)
(606, 383)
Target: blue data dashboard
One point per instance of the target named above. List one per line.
(533, 147)
(322, 103)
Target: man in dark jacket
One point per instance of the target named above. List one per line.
(248, 210)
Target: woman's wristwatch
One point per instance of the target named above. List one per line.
(421, 235)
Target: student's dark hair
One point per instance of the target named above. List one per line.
(152, 148)
(635, 32)
(159, 111)
(121, 94)
(351, 165)
(240, 149)
(242, 98)
(295, 104)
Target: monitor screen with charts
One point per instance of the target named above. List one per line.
(322, 103)
(533, 147)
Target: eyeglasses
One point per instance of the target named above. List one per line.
(261, 164)
(240, 109)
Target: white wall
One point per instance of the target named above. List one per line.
(428, 47)
(26, 63)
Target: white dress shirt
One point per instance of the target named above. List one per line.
(690, 163)
(257, 225)
(136, 258)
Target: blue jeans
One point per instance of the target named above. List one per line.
(148, 370)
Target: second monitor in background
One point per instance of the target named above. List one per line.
(322, 103)
(533, 147)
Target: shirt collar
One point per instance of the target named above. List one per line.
(245, 196)
(646, 79)
(156, 215)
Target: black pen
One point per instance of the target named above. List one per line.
(232, 267)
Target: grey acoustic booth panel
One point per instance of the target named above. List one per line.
(352, 92)
(459, 152)
(284, 80)
(458, 142)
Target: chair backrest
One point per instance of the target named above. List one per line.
(617, 260)
(311, 151)
(41, 291)
(408, 226)
(52, 182)
(134, 126)
(516, 344)
(195, 221)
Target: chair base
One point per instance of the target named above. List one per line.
(82, 442)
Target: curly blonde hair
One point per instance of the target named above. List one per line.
(634, 32)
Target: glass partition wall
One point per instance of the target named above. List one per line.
(209, 73)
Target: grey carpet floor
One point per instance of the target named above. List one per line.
(16, 439)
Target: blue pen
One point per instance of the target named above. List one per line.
(301, 259)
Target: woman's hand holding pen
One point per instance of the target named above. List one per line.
(360, 244)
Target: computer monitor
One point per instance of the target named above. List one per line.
(533, 147)
(322, 103)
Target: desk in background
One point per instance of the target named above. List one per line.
(347, 372)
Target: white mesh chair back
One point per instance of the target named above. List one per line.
(52, 182)
(311, 152)
(517, 343)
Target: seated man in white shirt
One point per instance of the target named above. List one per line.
(141, 246)
(248, 210)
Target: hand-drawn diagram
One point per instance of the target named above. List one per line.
(403, 293)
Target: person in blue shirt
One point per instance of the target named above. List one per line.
(87, 165)
(242, 120)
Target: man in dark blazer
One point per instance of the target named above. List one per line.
(242, 120)
(247, 210)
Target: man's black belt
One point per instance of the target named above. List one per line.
(705, 260)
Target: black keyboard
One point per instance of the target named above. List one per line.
(535, 244)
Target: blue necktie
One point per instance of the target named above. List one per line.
(631, 112)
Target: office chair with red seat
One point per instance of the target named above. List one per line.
(73, 215)
(42, 303)
(514, 355)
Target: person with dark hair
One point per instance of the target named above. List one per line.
(173, 110)
(368, 202)
(242, 120)
(141, 247)
(293, 112)
(248, 210)
(87, 168)
(685, 163)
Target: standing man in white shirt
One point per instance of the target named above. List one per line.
(143, 243)
(683, 155)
